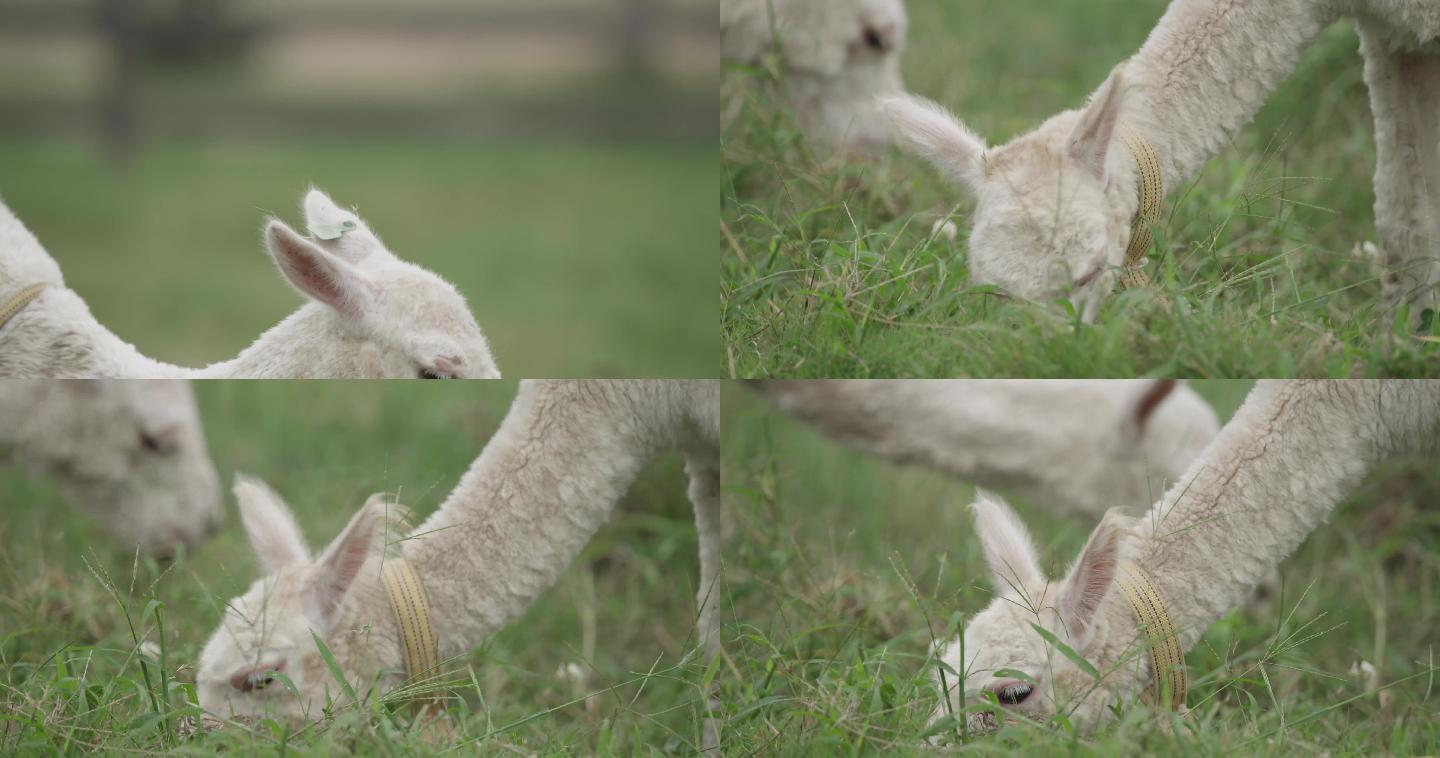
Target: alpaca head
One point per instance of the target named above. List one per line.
(271, 629)
(373, 315)
(1046, 225)
(130, 453)
(1000, 640)
(866, 38)
(839, 56)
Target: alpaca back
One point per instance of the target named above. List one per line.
(23, 261)
(1414, 24)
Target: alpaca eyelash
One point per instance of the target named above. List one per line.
(1013, 694)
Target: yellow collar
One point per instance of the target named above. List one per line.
(412, 613)
(1152, 194)
(17, 303)
(1167, 660)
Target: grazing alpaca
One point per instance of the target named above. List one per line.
(543, 485)
(1054, 207)
(131, 454)
(1288, 456)
(838, 55)
(371, 314)
(1082, 446)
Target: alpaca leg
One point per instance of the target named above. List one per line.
(705, 495)
(1405, 102)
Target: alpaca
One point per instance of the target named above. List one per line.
(543, 485)
(131, 454)
(371, 314)
(1079, 446)
(1054, 208)
(1289, 455)
(838, 55)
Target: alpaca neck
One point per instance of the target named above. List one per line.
(309, 343)
(56, 336)
(1207, 67)
(541, 488)
(1290, 454)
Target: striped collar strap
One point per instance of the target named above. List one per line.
(1167, 660)
(18, 301)
(1152, 194)
(412, 614)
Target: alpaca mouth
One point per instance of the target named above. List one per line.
(1090, 277)
(982, 722)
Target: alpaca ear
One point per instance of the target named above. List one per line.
(1089, 579)
(338, 230)
(1006, 544)
(274, 535)
(933, 133)
(319, 275)
(1148, 400)
(1089, 141)
(320, 210)
(336, 568)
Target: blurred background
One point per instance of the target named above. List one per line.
(551, 157)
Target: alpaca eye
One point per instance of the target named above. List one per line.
(873, 40)
(1014, 694)
(426, 373)
(249, 681)
(257, 681)
(149, 442)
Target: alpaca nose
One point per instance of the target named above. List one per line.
(211, 527)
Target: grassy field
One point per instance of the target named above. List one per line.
(70, 681)
(839, 571)
(829, 270)
(844, 568)
(578, 259)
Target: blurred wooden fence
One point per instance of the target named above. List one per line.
(645, 68)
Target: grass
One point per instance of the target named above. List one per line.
(845, 569)
(566, 252)
(73, 604)
(840, 571)
(829, 269)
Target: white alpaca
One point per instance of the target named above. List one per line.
(1054, 207)
(1291, 452)
(131, 454)
(838, 55)
(543, 485)
(1082, 446)
(372, 315)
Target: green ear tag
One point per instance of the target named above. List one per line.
(331, 231)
